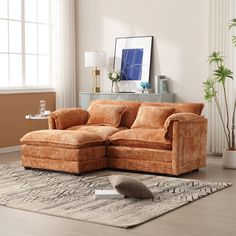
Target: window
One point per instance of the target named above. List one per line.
(25, 44)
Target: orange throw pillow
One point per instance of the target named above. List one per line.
(152, 117)
(106, 115)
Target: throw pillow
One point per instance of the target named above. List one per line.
(130, 187)
(106, 115)
(152, 117)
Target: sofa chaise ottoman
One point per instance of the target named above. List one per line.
(69, 145)
(166, 138)
(66, 150)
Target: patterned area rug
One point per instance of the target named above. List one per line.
(72, 196)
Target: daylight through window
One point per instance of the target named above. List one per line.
(24, 44)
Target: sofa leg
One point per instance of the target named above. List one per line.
(76, 174)
(27, 168)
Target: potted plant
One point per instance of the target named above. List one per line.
(114, 77)
(216, 81)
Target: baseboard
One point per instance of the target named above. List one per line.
(214, 154)
(10, 149)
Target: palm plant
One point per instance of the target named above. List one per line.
(218, 79)
(233, 24)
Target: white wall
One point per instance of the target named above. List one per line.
(179, 27)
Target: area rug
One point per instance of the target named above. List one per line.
(70, 196)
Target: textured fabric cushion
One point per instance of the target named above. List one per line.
(168, 126)
(67, 117)
(104, 114)
(130, 187)
(152, 117)
(63, 154)
(179, 107)
(62, 138)
(129, 115)
(141, 137)
(103, 131)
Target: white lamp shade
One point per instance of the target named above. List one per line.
(95, 59)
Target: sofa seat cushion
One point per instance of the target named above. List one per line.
(140, 137)
(103, 131)
(62, 138)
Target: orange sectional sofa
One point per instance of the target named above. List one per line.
(166, 138)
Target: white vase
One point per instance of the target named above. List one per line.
(229, 159)
(115, 87)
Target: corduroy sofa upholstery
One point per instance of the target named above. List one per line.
(167, 138)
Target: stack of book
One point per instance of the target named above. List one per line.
(107, 193)
(161, 84)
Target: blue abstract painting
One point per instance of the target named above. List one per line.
(131, 64)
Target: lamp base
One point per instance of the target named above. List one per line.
(96, 90)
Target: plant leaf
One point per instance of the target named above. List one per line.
(222, 73)
(234, 40)
(232, 23)
(209, 89)
(216, 57)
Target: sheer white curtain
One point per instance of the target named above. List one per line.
(63, 52)
(220, 14)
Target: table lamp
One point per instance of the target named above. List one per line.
(95, 59)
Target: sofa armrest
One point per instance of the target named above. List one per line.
(176, 117)
(67, 117)
(51, 123)
(189, 145)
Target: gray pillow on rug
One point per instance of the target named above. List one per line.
(130, 187)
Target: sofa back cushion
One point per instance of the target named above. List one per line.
(106, 114)
(152, 117)
(195, 108)
(129, 115)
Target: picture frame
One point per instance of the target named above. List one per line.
(132, 57)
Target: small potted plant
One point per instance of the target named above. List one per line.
(211, 87)
(115, 78)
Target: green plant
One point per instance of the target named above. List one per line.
(114, 76)
(211, 87)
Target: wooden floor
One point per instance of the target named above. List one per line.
(214, 215)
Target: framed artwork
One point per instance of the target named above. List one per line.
(132, 57)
